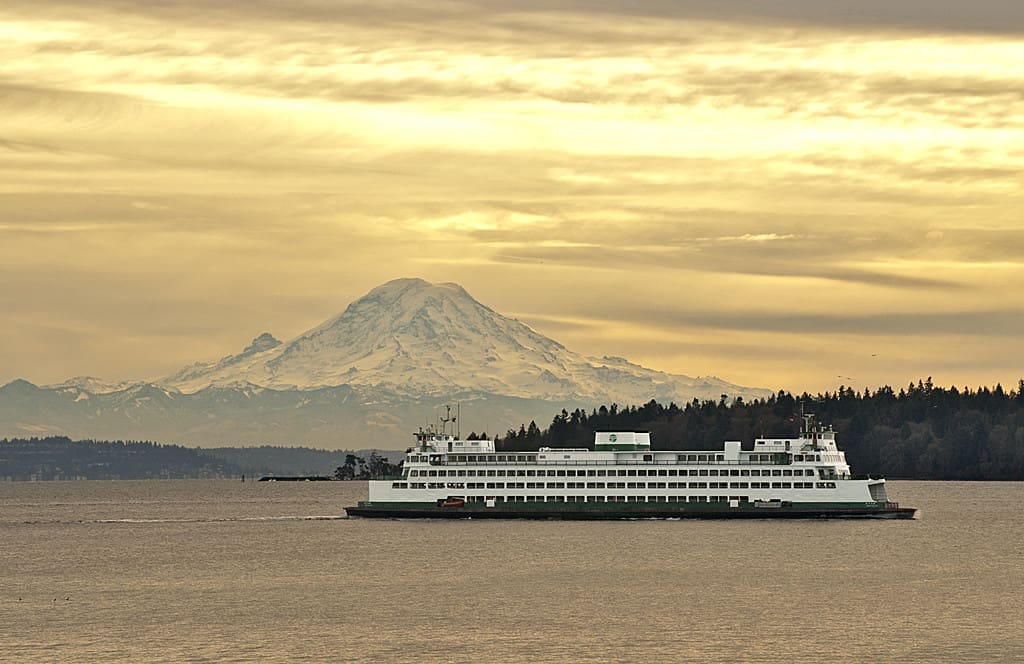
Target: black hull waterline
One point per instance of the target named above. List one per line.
(379, 512)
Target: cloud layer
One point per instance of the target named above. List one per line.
(768, 194)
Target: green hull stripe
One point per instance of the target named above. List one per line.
(612, 507)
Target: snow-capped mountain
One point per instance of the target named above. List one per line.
(418, 338)
(90, 385)
(365, 378)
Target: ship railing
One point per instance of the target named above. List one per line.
(624, 462)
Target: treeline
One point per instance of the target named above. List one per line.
(920, 432)
(375, 468)
(60, 458)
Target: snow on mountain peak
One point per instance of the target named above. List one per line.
(92, 385)
(418, 338)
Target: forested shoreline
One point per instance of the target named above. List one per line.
(919, 432)
(60, 458)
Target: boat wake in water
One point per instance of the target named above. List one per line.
(229, 519)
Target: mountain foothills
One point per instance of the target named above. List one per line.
(367, 377)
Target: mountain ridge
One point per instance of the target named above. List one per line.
(433, 338)
(365, 377)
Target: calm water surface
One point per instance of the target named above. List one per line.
(226, 571)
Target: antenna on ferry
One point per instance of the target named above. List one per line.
(809, 429)
(458, 425)
(446, 419)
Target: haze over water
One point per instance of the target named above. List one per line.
(218, 570)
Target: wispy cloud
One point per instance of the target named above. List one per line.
(790, 154)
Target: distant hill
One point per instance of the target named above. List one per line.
(368, 377)
(60, 458)
(270, 460)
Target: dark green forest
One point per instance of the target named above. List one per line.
(920, 432)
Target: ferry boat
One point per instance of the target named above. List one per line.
(623, 478)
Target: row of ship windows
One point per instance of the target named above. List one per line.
(680, 458)
(613, 485)
(477, 458)
(694, 472)
(608, 499)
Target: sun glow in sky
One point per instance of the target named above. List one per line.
(783, 197)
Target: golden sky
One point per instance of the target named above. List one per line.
(793, 197)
